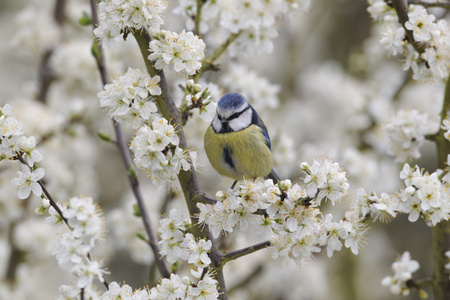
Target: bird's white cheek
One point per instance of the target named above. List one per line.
(242, 122)
(216, 124)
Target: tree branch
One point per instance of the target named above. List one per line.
(188, 179)
(126, 157)
(238, 253)
(401, 8)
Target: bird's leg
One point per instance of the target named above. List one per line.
(274, 176)
(234, 184)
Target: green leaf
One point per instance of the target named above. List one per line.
(141, 236)
(104, 136)
(136, 210)
(85, 19)
(95, 50)
(131, 171)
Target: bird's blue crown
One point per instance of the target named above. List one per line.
(231, 101)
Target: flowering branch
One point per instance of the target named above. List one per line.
(401, 8)
(46, 193)
(126, 157)
(188, 179)
(245, 251)
(430, 4)
(208, 62)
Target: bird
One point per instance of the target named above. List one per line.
(237, 143)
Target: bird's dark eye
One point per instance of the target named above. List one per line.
(234, 116)
(219, 117)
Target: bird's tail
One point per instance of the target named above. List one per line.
(274, 176)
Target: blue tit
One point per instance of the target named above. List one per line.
(237, 143)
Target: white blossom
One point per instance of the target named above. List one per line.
(182, 52)
(325, 179)
(129, 97)
(403, 270)
(27, 181)
(170, 289)
(392, 38)
(405, 132)
(421, 23)
(156, 153)
(117, 15)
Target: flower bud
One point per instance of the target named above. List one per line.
(190, 83)
(220, 195)
(45, 203)
(197, 88)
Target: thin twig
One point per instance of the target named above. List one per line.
(202, 198)
(431, 4)
(208, 62)
(198, 16)
(126, 157)
(239, 253)
(46, 193)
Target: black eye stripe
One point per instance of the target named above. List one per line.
(234, 116)
(237, 114)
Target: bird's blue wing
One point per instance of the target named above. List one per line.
(256, 120)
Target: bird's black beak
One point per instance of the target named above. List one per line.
(224, 121)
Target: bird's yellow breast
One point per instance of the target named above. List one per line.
(239, 154)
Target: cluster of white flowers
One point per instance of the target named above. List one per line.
(176, 244)
(286, 214)
(14, 144)
(423, 195)
(188, 9)
(182, 52)
(403, 272)
(253, 20)
(198, 96)
(124, 292)
(431, 65)
(184, 289)
(256, 89)
(325, 179)
(156, 153)
(67, 292)
(405, 132)
(73, 246)
(375, 206)
(12, 140)
(129, 97)
(117, 16)
(175, 287)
